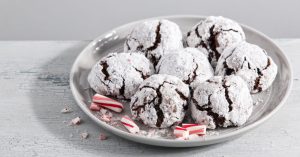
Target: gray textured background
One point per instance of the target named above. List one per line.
(86, 19)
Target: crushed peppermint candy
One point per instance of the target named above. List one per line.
(75, 121)
(105, 118)
(95, 107)
(84, 135)
(180, 132)
(195, 128)
(102, 137)
(108, 103)
(130, 125)
(189, 131)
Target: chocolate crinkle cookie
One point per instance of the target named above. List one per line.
(213, 34)
(221, 102)
(161, 101)
(189, 64)
(154, 38)
(120, 74)
(251, 63)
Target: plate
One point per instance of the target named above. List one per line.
(269, 101)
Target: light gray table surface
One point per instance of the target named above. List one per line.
(34, 87)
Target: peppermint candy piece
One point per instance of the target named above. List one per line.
(130, 125)
(95, 107)
(108, 103)
(105, 118)
(195, 129)
(181, 132)
(75, 121)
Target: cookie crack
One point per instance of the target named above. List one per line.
(128, 47)
(105, 84)
(228, 30)
(257, 81)
(233, 30)
(227, 95)
(202, 44)
(122, 89)
(188, 33)
(138, 48)
(210, 81)
(154, 60)
(157, 38)
(137, 108)
(154, 46)
(197, 32)
(248, 64)
(249, 67)
(157, 69)
(194, 74)
(228, 70)
(268, 64)
(257, 85)
(141, 73)
(159, 112)
(218, 119)
(135, 100)
(212, 42)
(104, 69)
(182, 97)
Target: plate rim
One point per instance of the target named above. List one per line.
(172, 142)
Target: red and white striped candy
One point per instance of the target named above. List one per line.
(181, 132)
(195, 128)
(95, 107)
(108, 103)
(129, 124)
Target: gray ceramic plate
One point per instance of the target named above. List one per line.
(269, 101)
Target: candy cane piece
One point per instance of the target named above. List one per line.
(75, 121)
(84, 135)
(102, 137)
(130, 125)
(95, 107)
(113, 107)
(103, 99)
(108, 103)
(181, 132)
(195, 128)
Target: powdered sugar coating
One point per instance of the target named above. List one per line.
(222, 101)
(161, 101)
(120, 74)
(213, 34)
(251, 63)
(154, 38)
(189, 64)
